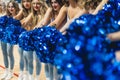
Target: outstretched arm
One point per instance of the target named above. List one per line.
(46, 18)
(61, 16)
(27, 20)
(19, 15)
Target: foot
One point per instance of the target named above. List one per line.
(9, 76)
(4, 75)
(25, 76)
(37, 78)
(21, 75)
(47, 78)
(31, 77)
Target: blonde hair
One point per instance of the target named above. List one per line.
(3, 7)
(42, 11)
(15, 5)
(26, 11)
(43, 8)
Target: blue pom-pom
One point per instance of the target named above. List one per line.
(46, 40)
(3, 20)
(88, 54)
(25, 41)
(1, 32)
(11, 20)
(10, 30)
(12, 33)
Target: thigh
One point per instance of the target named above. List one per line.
(28, 55)
(9, 49)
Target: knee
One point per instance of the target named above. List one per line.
(10, 55)
(30, 61)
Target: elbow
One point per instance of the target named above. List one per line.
(52, 24)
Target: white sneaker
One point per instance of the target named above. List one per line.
(4, 75)
(31, 77)
(21, 75)
(47, 78)
(25, 76)
(9, 76)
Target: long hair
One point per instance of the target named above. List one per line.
(15, 5)
(26, 11)
(60, 2)
(41, 11)
(3, 7)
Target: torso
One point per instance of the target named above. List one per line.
(71, 12)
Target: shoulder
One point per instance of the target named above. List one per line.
(81, 12)
(63, 9)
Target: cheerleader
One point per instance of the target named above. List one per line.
(51, 14)
(38, 10)
(23, 13)
(73, 9)
(7, 48)
(60, 21)
(68, 11)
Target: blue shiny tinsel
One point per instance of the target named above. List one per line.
(46, 41)
(88, 53)
(11, 29)
(12, 33)
(3, 22)
(11, 20)
(25, 41)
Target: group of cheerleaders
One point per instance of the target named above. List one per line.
(39, 13)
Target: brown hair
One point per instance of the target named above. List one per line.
(25, 11)
(15, 5)
(91, 4)
(60, 2)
